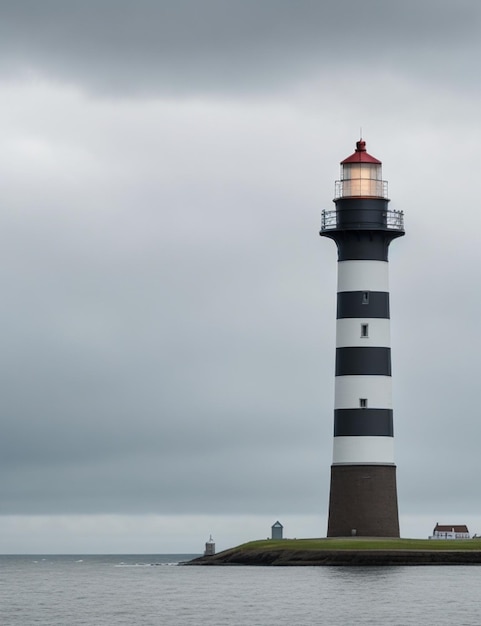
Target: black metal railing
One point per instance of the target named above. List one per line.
(391, 220)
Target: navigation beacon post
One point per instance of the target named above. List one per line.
(363, 494)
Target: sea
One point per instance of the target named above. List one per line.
(148, 590)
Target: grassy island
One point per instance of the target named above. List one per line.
(349, 551)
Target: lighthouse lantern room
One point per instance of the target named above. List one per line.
(361, 175)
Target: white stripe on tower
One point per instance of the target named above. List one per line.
(363, 451)
(362, 276)
(348, 390)
(366, 331)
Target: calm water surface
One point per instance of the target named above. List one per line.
(148, 590)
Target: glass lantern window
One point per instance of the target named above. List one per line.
(361, 179)
(366, 171)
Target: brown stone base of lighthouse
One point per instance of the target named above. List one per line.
(363, 501)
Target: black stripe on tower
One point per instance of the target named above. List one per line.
(367, 361)
(363, 423)
(364, 304)
(352, 246)
(361, 221)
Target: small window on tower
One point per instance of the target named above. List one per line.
(363, 403)
(364, 330)
(365, 297)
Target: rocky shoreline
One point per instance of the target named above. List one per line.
(282, 557)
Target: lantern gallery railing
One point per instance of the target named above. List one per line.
(391, 220)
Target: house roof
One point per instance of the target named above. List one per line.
(451, 528)
(277, 525)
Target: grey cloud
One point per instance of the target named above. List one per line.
(128, 373)
(212, 46)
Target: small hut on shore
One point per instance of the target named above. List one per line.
(277, 530)
(209, 547)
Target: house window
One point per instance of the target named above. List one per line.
(363, 403)
(364, 330)
(365, 297)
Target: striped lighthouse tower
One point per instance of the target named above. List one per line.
(363, 495)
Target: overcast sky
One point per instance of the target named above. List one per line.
(168, 307)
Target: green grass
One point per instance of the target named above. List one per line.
(361, 543)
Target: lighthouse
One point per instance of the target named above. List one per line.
(363, 494)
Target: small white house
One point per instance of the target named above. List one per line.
(448, 531)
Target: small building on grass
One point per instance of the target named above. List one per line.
(209, 547)
(450, 531)
(277, 530)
